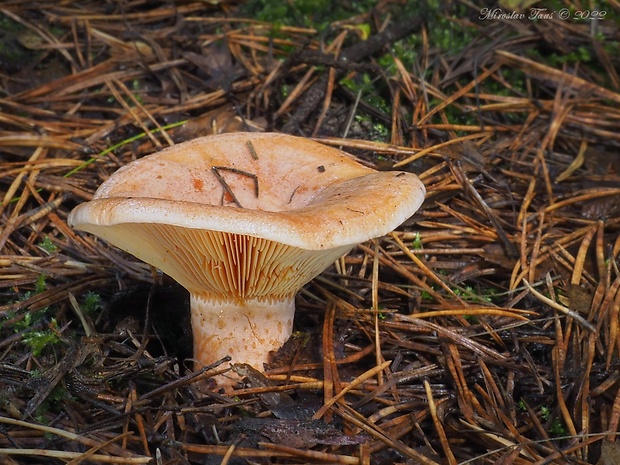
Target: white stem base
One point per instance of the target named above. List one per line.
(246, 332)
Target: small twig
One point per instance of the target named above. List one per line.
(567, 311)
(228, 454)
(88, 329)
(101, 458)
(357, 381)
(348, 414)
(443, 438)
(70, 436)
(331, 378)
(309, 455)
(182, 381)
(225, 186)
(220, 178)
(252, 152)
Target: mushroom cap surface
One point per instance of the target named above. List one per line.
(241, 198)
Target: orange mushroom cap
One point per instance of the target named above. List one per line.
(198, 210)
(243, 218)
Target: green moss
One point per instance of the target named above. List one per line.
(92, 302)
(369, 91)
(317, 14)
(364, 84)
(582, 54)
(56, 31)
(446, 27)
(557, 428)
(39, 331)
(373, 95)
(53, 403)
(47, 245)
(8, 26)
(39, 341)
(469, 294)
(406, 50)
(417, 242)
(40, 284)
(454, 115)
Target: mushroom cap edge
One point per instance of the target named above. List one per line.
(348, 212)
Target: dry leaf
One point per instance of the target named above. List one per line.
(297, 433)
(610, 453)
(217, 63)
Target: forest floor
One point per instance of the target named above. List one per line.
(483, 330)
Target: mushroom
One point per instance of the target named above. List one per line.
(243, 221)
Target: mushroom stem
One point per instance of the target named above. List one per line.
(246, 331)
